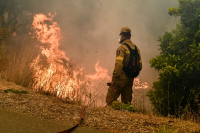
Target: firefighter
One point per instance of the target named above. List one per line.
(121, 84)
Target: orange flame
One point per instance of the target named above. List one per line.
(58, 76)
(14, 34)
(53, 71)
(101, 73)
(138, 85)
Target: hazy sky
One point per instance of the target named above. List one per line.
(91, 28)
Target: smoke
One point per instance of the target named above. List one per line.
(91, 28)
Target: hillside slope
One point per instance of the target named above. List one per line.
(105, 119)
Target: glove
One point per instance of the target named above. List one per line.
(110, 83)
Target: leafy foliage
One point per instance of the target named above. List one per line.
(122, 106)
(178, 64)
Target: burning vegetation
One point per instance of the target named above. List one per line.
(40, 64)
(55, 73)
(58, 75)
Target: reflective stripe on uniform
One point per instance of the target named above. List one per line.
(119, 58)
(128, 52)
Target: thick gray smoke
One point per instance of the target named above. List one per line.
(91, 28)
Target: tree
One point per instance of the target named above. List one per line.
(8, 19)
(178, 64)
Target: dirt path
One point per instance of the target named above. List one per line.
(12, 122)
(104, 119)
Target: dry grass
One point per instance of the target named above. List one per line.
(15, 64)
(15, 68)
(141, 101)
(107, 119)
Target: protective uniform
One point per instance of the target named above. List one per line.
(122, 84)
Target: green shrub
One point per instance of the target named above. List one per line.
(178, 63)
(164, 129)
(16, 91)
(122, 106)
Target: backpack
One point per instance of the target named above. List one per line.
(132, 70)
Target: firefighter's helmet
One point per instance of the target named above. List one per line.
(125, 29)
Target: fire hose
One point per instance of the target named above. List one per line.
(72, 128)
(82, 112)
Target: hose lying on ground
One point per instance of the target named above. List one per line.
(72, 128)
